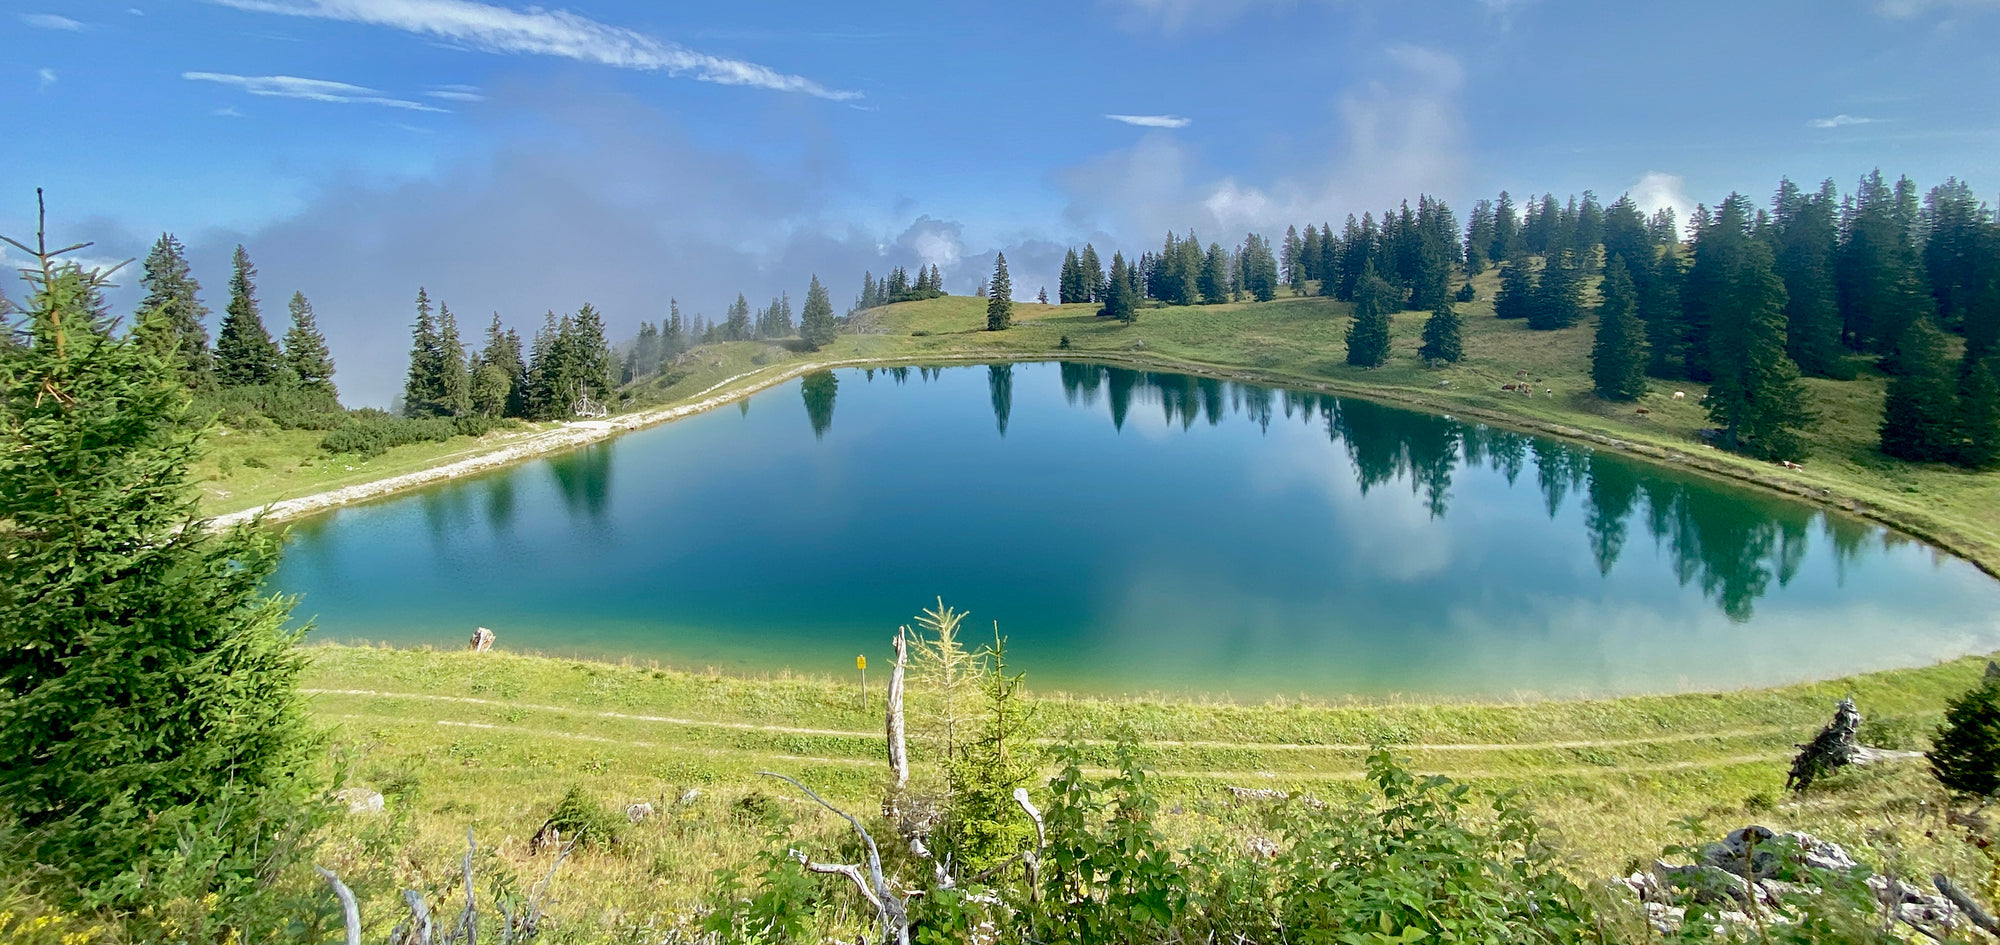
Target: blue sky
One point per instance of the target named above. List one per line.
(517, 159)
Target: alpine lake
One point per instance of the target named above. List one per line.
(1134, 533)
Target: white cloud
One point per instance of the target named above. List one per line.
(50, 21)
(47, 77)
(1393, 137)
(1153, 121)
(1657, 190)
(457, 93)
(1840, 121)
(542, 32)
(1904, 9)
(227, 111)
(312, 90)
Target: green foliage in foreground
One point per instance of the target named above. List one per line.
(152, 743)
(1966, 754)
(371, 432)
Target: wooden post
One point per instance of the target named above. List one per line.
(899, 752)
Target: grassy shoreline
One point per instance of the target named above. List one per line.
(490, 741)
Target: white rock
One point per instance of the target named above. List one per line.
(638, 812)
(360, 800)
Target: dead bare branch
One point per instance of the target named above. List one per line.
(889, 908)
(1974, 912)
(350, 911)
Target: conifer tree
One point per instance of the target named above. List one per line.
(1259, 268)
(1618, 356)
(152, 741)
(737, 325)
(592, 354)
(1516, 298)
(244, 352)
(306, 353)
(1042, 296)
(423, 387)
(1809, 241)
(816, 326)
(1965, 754)
(1921, 410)
(1666, 320)
(1506, 230)
(1368, 334)
(1558, 299)
(1069, 288)
(1755, 397)
(1978, 427)
(1443, 331)
(454, 382)
(1121, 301)
(1292, 259)
(179, 337)
(1000, 297)
(1214, 281)
(1091, 271)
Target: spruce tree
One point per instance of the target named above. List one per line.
(1122, 299)
(1978, 427)
(1000, 297)
(1069, 288)
(306, 353)
(244, 353)
(1921, 410)
(1443, 332)
(423, 386)
(1368, 334)
(816, 326)
(179, 336)
(1259, 268)
(1214, 281)
(454, 382)
(592, 354)
(152, 741)
(1558, 298)
(1809, 241)
(1755, 396)
(1090, 270)
(737, 326)
(1965, 754)
(1618, 356)
(1516, 298)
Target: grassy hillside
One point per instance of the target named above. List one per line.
(492, 741)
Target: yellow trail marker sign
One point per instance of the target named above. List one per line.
(861, 662)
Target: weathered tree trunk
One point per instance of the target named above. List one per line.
(899, 751)
(1834, 747)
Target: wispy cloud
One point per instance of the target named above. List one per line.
(1840, 121)
(1903, 9)
(50, 21)
(457, 93)
(542, 32)
(47, 77)
(1153, 121)
(313, 90)
(227, 111)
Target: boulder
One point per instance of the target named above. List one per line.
(360, 800)
(638, 812)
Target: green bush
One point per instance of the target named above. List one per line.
(585, 819)
(372, 432)
(283, 406)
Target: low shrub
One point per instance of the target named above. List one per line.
(372, 432)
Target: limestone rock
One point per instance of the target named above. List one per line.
(360, 800)
(638, 812)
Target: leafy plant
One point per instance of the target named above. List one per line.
(1965, 756)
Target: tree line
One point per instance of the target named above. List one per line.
(658, 345)
(169, 323)
(567, 367)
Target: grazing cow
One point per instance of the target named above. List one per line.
(1680, 395)
(1643, 411)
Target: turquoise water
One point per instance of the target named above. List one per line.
(1136, 532)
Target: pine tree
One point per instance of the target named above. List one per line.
(152, 741)
(244, 353)
(593, 354)
(1516, 298)
(1809, 240)
(1443, 335)
(454, 382)
(1043, 295)
(1506, 230)
(1090, 270)
(1618, 356)
(1122, 300)
(737, 326)
(1965, 754)
(816, 327)
(1069, 288)
(1978, 427)
(1666, 321)
(1755, 397)
(1368, 334)
(1259, 268)
(1921, 409)
(423, 387)
(1000, 297)
(1558, 298)
(306, 353)
(1214, 281)
(179, 336)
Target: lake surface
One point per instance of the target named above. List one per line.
(1136, 532)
